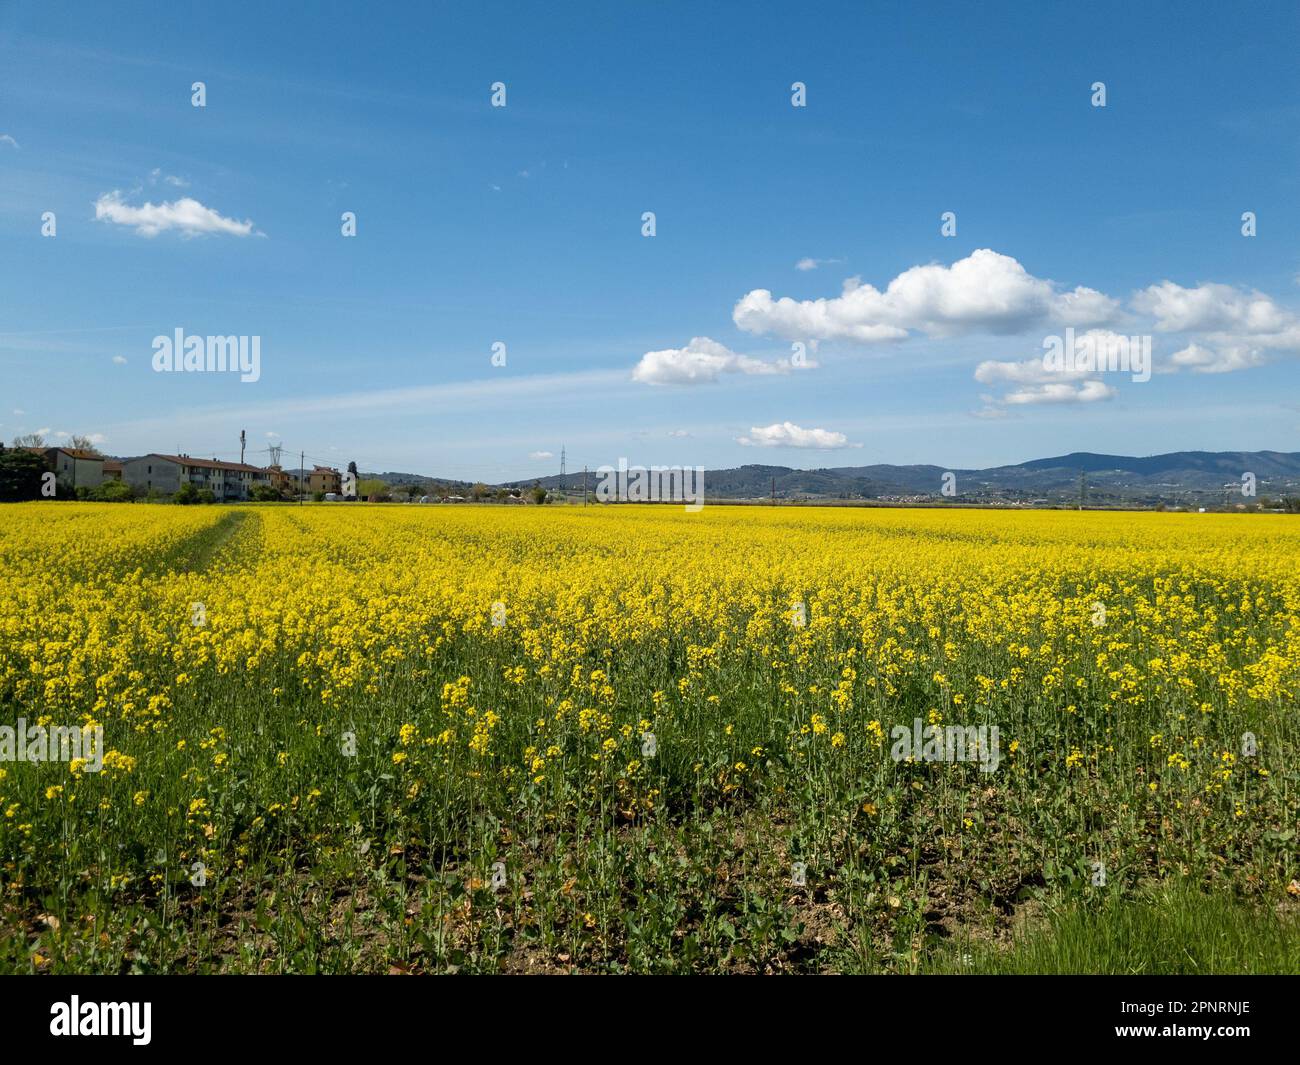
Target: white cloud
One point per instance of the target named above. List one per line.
(1229, 328)
(701, 361)
(119, 360)
(1035, 371)
(1211, 308)
(1028, 371)
(186, 215)
(812, 264)
(1039, 384)
(787, 434)
(1201, 359)
(6, 139)
(985, 292)
(156, 175)
(678, 432)
(539, 455)
(1060, 392)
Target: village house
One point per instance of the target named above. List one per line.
(280, 480)
(229, 481)
(324, 479)
(72, 466)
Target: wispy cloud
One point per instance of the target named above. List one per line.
(812, 264)
(6, 139)
(156, 175)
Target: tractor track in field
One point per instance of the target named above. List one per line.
(205, 548)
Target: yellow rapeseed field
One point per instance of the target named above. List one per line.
(353, 738)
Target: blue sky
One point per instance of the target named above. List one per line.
(523, 225)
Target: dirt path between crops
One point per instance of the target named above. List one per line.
(204, 548)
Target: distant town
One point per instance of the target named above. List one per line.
(30, 468)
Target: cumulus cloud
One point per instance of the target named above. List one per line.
(1211, 308)
(812, 264)
(537, 456)
(1200, 359)
(1032, 381)
(702, 361)
(1029, 371)
(985, 292)
(186, 215)
(1230, 328)
(787, 434)
(119, 360)
(1060, 392)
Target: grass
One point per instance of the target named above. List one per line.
(1168, 929)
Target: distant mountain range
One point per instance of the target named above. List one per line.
(1177, 478)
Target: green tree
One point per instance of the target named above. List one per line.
(20, 474)
(186, 494)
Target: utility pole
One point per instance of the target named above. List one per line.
(584, 486)
(1083, 488)
(773, 491)
(242, 441)
(302, 468)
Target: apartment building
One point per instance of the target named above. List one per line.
(229, 481)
